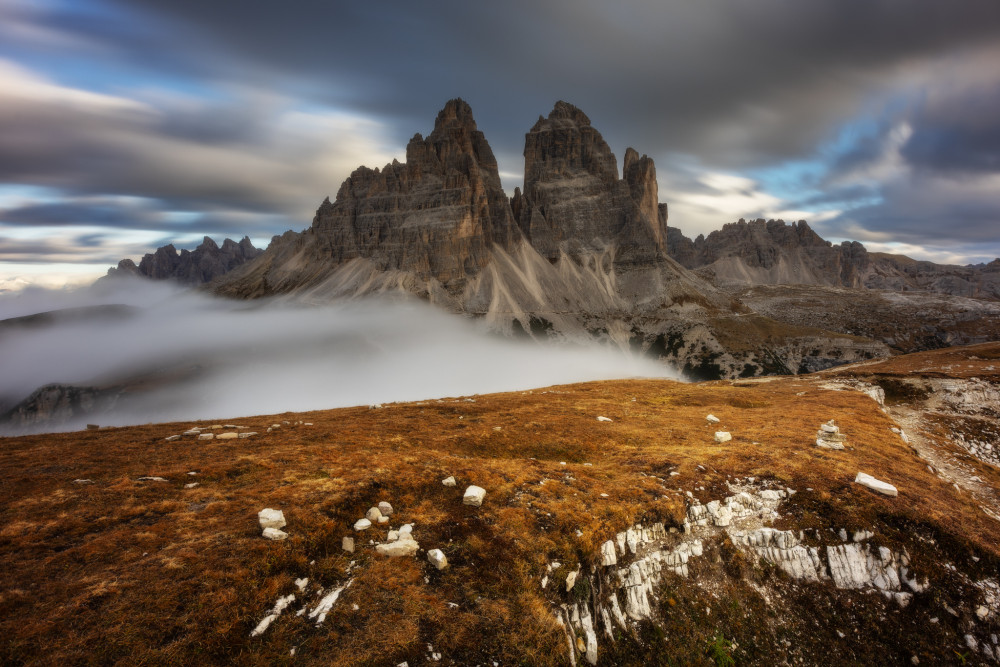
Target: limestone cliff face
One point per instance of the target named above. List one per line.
(205, 263)
(435, 216)
(573, 200)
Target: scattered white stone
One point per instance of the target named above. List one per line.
(373, 514)
(152, 479)
(275, 612)
(191, 485)
(604, 495)
(206, 436)
(362, 524)
(603, 419)
(449, 481)
(347, 544)
(326, 604)
(227, 436)
(399, 548)
(275, 426)
(571, 580)
(712, 419)
(437, 558)
(270, 518)
(385, 508)
(302, 583)
(383, 519)
(83, 481)
(248, 434)
(982, 611)
(192, 473)
(193, 431)
(274, 534)
(171, 438)
(723, 436)
(474, 496)
(875, 484)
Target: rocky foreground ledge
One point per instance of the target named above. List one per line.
(614, 526)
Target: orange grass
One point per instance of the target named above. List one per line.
(152, 573)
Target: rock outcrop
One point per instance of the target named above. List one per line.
(773, 252)
(189, 267)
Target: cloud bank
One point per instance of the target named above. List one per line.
(184, 356)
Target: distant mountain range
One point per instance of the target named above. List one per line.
(582, 253)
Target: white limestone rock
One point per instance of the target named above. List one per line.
(227, 436)
(876, 484)
(571, 580)
(362, 524)
(385, 508)
(171, 438)
(347, 544)
(437, 558)
(206, 436)
(723, 436)
(274, 534)
(608, 557)
(712, 419)
(373, 515)
(474, 496)
(603, 419)
(399, 548)
(449, 481)
(270, 518)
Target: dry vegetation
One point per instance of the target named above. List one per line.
(124, 571)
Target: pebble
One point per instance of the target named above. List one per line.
(437, 558)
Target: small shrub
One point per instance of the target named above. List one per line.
(720, 651)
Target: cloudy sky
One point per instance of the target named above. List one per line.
(125, 125)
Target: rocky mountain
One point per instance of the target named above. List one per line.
(189, 267)
(773, 252)
(579, 252)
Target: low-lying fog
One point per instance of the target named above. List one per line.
(185, 356)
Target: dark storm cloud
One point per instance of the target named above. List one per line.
(125, 215)
(959, 132)
(736, 82)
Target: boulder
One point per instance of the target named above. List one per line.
(437, 558)
(723, 436)
(876, 484)
(474, 496)
(270, 518)
(206, 436)
(227, 436)
(274, 534)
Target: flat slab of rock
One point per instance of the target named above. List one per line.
(398, 549)
(474, 496)
(274, 534)
(876, 484)
(206, 436)
(270, 518)
(723, 436)
(227, 436)
(171, 438)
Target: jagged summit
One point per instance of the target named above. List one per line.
(189, 267)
